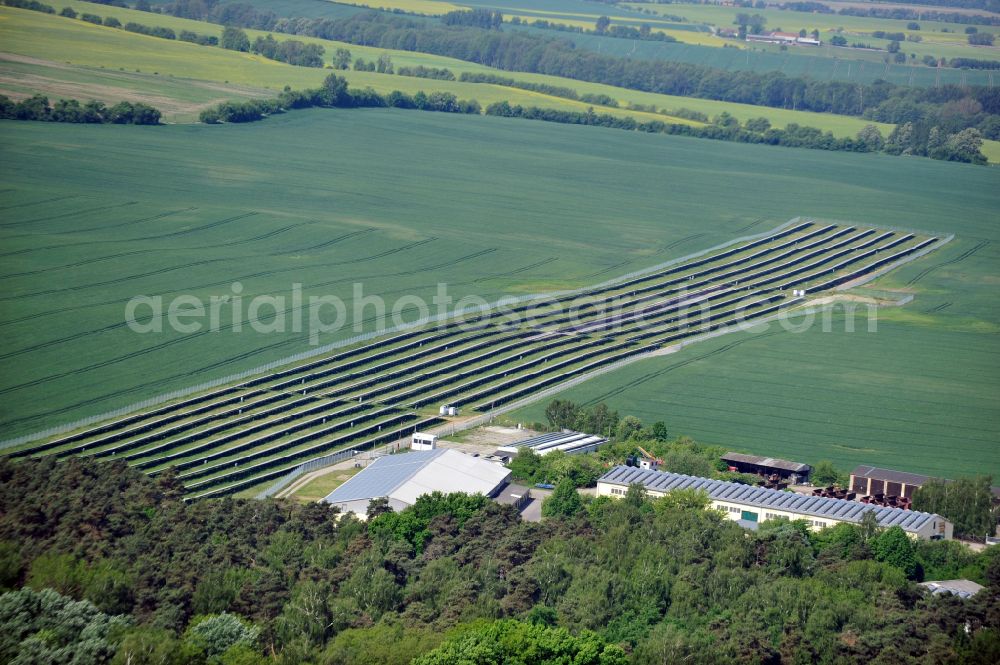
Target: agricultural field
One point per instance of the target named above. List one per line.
(319, 487)
(824, 63)
(855, 28)
(80, 51)
(918, 398)
(238, 437)
(74, 52)
(315, 194)
(322, 201)
(236, 209)
(938, 38)
(179, 99)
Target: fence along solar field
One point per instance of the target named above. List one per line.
(240, 436)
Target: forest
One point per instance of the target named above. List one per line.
(100, 563)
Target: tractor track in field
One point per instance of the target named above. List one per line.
(605, 271)
(75, 213)
(749, 226)
(35, 203)
(517, 271)
(202, 262)
(168, 343)
(939, 308)
(150, 384)
(958, 259)
(113, 282)
(404, 273)
(676, 243)
(328, 243)
(119, 225)
(135, 252)
(41, 248)
(203, 227)
(652, 375)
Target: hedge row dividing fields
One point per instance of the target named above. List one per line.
(240, 436)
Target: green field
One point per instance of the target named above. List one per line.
(922, 399)
(401, 201)
(399, 181)
(563, 206)
(319, 487)
(79, 51)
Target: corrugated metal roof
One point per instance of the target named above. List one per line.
(548, 442)
(877, 473)
(536, 441)
(760, 497)
(772, 462)
(406, 477)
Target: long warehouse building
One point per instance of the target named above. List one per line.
(750, 504)
(568, 442)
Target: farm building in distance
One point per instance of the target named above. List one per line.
(873, 481)
(750, 505)
(885, 485)
(782, 38)
(403, 478)
(768, 467)
(568, 442)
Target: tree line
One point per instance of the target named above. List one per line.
(967, 502)
(487, 19)
(602, 27)
(962, 146)
(544, 88)
(911, 139)
(38, 107)
(240, 14)
(335, 94)
(439, 73)
(99, 564)
(290, 51)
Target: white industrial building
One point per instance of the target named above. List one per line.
(568, 442)
(404, 477)
(750, 505)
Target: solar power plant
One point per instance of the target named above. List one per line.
(243, 436)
